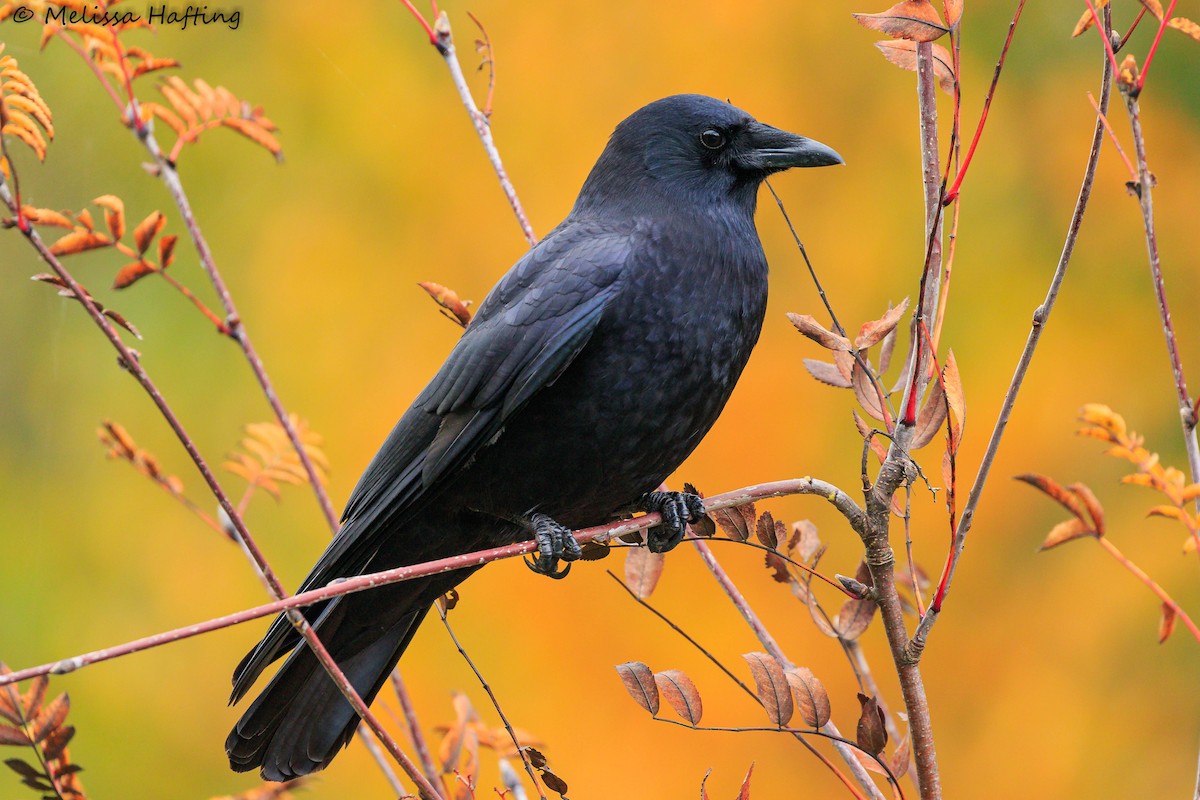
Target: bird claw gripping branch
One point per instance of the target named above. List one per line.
(678, 509)
(554, 542)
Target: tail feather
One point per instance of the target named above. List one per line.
(301, 721)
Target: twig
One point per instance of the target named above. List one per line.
(1112, 135)
(1041, 317)
(495, 701)
(1160, 592)
(1162, 26)
(443, 41)
(414, 730)
(1145, 186)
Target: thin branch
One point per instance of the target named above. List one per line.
(414, 730)
(443, 41)
(1112, 135)
(1140, 574)
(1162, 26)
(1041, 317)
(495, 701)
(1145, 197)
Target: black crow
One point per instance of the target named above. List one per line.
(590, 372)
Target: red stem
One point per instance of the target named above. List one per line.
(1162, 26)
(987, 104)
(1108, 48)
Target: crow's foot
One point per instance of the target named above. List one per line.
(677, 509)
(554, 542)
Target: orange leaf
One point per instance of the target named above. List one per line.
(133, 272)
(640, 683)
(744, 794)
(255, 133)
(166, 250)
(956, 399)
(953, 10)
(680, 693)
(44, 216)
(114, 214)
(1092, 504)
(642, 570)
(772, 687)
(1065, 532)
(818, 332)
(853, 618)
(1055, 491)
(1087, 20)
(449, 300)
(1166, 625)
(873, 332)
(904, 55)
(914, 20)
(49, 717)
(147, 229)
(78, 242)
(1185, 26)
(931, 416)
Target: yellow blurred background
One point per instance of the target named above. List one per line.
(1044, 674)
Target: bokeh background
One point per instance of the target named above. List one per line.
(1044, 676)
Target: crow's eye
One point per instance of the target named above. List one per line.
(712, 139)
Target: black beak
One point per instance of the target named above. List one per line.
(772, 150)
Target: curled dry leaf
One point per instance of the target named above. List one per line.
(704, 527)
(114, 214)
(901, 758)
(132, 272)
(872, 733)
(640, 683)
(1088, 19)
(931, 416)
(871, 333)
(770, 532)
(1056, 492)
(744, 794)
(819, 333)
(953, 10)
(866, 391)
(78, 241)
(1166, 625)
(951, 382)
(812, 701)
(903, 54)
(854, 618)
(681, 694)
(771, 687)
(1092, 504)
(642, 570)
(1066, 531)
(147, 229)
(864, 430)
(455, 308)
(805, 540)
(914, 20)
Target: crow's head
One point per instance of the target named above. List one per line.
(697, 148)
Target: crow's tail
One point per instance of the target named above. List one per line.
(301, 720)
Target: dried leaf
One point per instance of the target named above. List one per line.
(771, 687)
(704, 527)
(901, 758)
(642, 570)
(854, 618)
(914, 20)
(864, 430)
(1065, 532)
(956, 399)
(744, 794)
(736, 522)
(553, 782)
(45, 216)
(953, 10)
(931, 416)
(680, 693)
(1166, 625)
(1092, 504)
(166, 250)
(1185, 26)
(56, 742)
(114, 214)
(872, 733)
(819, 333)
(132, 272)
(640, 683)
(812, 701)
(1087, 20)
(866, 392)
(147, 229)
(826, 373)
(11, 735)
(808, 541)
(769, 532)
(1051, 488)
(78, 241)
(778, 567)
(1154, 7)
(257, 134)
(903, 54)
(448, 299)
(873, 332)
(49, 717)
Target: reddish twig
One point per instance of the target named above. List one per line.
(1103, 31)
(1112, 135)
(414, 730)
(1162, 26)
(952, 193)
(1160, 592)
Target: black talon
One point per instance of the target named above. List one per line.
(678, 510)
(554, 542)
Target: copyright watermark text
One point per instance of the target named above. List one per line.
(182, 17)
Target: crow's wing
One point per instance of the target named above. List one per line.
(530, 327)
